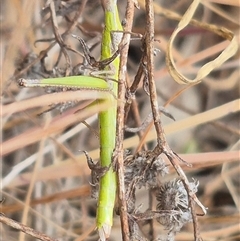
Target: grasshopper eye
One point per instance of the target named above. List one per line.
(21, 82)
(29, 82)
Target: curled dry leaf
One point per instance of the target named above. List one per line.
(208, 67)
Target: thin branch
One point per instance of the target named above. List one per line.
(59, 38)
(120, 123)
(76, 17)
(131, 102)
(148, 120)
(41, 55)
(149, 46)
(162, 146)
(133, 88)
(21, 227)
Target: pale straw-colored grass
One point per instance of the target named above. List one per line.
(45, 177)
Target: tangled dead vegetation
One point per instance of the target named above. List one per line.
(178, 177)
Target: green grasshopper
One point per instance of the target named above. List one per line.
(90, 80)
(93, 77)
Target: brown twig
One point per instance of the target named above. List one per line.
(149, 46)
(59, 38)
(74, 22)
(133, 88)
(137, 121)
(131, 102)
(21, 227)
(162, 146)
(41, 55)
(120, 123)
(196, 231)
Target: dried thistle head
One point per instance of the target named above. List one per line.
(172, 197)
(145, 171)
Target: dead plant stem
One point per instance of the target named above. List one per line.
(120, 124)
(21, 227)
(162, 146)
(149, 45)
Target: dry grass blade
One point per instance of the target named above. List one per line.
(24, 228)
(190, 122)
(55, 126)
(54, 197)
(54, 98)
(72, 169)
(208, 67)
(226, 2)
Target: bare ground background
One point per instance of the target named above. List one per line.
(45, 179)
